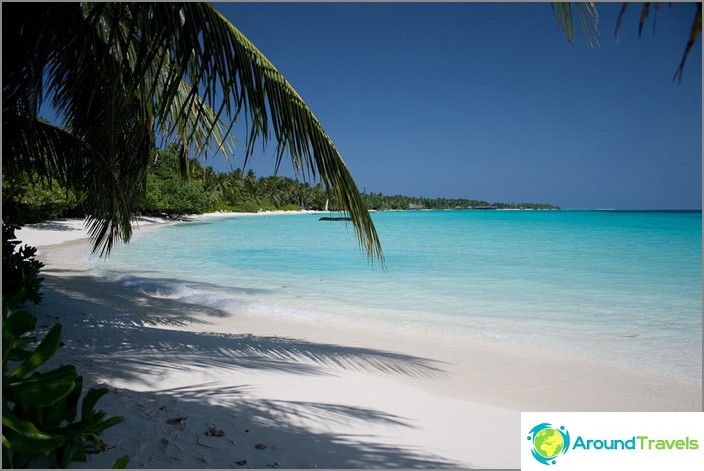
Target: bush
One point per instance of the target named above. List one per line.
(176, 197)
(20, 270)
(27, 200)
(39, 409)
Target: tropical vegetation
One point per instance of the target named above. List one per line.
(45, 412)
(124, 77)
(203, 190)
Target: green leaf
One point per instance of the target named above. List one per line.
(12, 301)
(12, 328)
(95, 426)
(19, 323)
(121, 463)
(41, 390)
(72, 451)
(65, 409)
(44, 351)
(29, 439)
(92, 397)
(106, 424)
(18, 352)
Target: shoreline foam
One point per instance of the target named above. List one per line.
(314, 395)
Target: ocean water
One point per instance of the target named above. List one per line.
(619, 287)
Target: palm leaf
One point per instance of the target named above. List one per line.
(118, 73)
(54, 155)
(231, 69)
(694, 33)
(587, 15)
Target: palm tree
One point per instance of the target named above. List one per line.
(123, 76)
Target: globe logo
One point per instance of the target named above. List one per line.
(549, 442)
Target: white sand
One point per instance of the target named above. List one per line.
(292, 394)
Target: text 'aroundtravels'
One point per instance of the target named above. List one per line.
(641, 442)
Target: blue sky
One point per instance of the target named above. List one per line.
(489, 100)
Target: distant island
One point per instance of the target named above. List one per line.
(203, 190)
(380, 202)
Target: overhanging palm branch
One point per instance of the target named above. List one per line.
(587, 15)
(118, 72)
(694, 32)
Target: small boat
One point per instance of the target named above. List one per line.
(333, 218)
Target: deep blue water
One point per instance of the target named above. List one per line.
(624, 287)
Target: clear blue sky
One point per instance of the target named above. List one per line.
(489, 100)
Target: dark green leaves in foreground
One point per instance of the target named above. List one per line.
(40, 406)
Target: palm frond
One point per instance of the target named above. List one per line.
(587, 15)
(54, 155)
(695, 32)
(298, 132)
(118, 72)
(234, 77)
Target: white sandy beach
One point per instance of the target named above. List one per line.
(200, 387)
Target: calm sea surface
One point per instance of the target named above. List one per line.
(616, 286)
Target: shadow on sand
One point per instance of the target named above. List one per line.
(54, 225)
(250, 434)
(108, 344)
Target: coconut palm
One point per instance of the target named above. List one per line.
(124, 76)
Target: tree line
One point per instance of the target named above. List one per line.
(380, 202)
(172, 191)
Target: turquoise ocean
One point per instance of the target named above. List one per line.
(619, 287)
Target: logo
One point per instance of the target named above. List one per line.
(549, 442)
(611, 440)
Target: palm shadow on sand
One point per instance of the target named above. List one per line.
(135, 345)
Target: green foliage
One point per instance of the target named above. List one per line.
(169, 193)
(39, 408)
(201, 189)
(175, 198)
(204, 190)
(121, 76)
(28, 200)
(121, 462)
(173, 191)
(20, 270)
